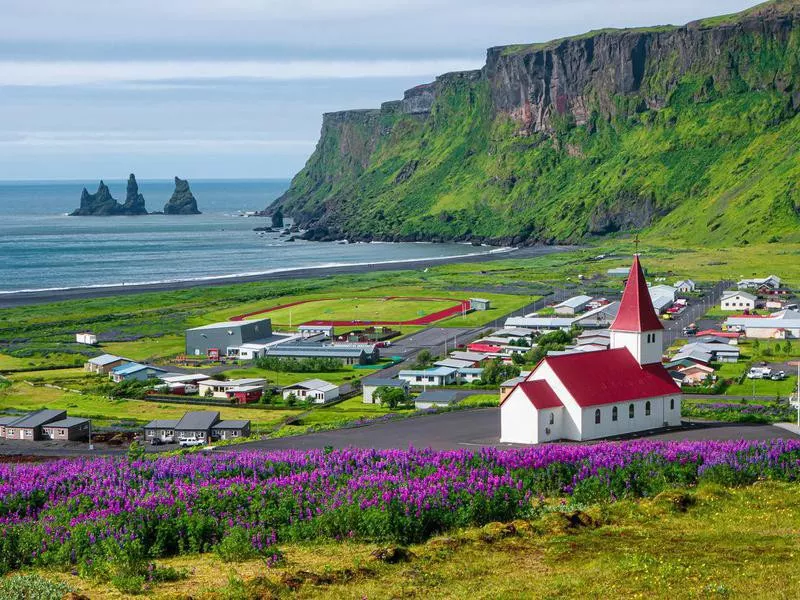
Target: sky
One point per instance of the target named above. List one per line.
(93, 89)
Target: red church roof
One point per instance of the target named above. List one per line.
(636, 312)
(540, 394)
(610, 376)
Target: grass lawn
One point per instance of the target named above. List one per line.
(24, 397)
(720, 543)
(346, 374)
(151, 349)
(764, 387)
(481, 400)
(349, 410)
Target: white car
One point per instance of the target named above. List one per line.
(188, 442)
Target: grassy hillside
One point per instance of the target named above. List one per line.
(702, 154)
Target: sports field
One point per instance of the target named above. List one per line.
(380, 310)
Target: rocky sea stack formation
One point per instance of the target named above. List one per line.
(182, 201)
(692, 132)
(103, 204)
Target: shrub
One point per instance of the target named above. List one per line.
(32, 587)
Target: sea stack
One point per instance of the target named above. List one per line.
(134, 201)
(182, 201)
(99, 204)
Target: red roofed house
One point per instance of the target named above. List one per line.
(591, 395)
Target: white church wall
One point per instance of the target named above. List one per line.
(550, 424)
(660, 413)
(518, 420)
(571, 417)
(647, 351)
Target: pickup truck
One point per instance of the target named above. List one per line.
(187, 442)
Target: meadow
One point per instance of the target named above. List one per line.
(127, 522)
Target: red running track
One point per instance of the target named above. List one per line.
(462, 306)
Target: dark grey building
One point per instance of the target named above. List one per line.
(218, 337)
(230, 430)
(30, 426)
(196, 425)
(160, 429)
(71, 429)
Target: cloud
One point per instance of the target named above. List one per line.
(64, 73)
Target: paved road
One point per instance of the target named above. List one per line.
(479, 428)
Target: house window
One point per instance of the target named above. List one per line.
(631, 411)
(647, 408)
(672, 403)
(614, 413)
(597, 417)
(552, 418)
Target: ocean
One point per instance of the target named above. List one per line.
(44, 249)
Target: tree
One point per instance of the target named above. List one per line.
(291, 399)
(518, 358)
(787, 348)
(390, 397)
(277, 218)
(424, 360)
(496, 372)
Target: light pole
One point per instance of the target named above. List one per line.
(91, 446)
(796, 363)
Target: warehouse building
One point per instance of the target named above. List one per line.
(214, 340)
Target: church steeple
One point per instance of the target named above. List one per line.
(636, 326)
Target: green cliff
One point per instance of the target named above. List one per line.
(690, 132)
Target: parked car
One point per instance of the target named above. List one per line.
(759, 373)
(156, 441)
(778, 376)
(188, 442)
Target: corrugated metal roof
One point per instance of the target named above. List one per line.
(313, 384)
(232, 424)
(68, 422)
(105, 359)
(377, 382)
(228, 324)
(198, 419)
(162, 424)
(40, 417)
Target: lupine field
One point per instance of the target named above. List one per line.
(77, 513)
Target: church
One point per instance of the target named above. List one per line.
(592, 395)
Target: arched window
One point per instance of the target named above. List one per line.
(597, 417)
(672, 403)
(631, 411)
(552, 418)
(647, 408)
(614, 413)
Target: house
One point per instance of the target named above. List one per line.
(738, 301)
(312, 330)
(180, 384)
(695, 374)
(771, 281)
(694, 355)
(475, 358)
(470, 374)
(104, 363)
(230, 430)
(71, 429)
(596, 318)
(572, 306)
(454, 363)
(196, 425)
(161, 429)
(245, 394)
(479, 304)
(436, 399)
(30, 427)
(219, 389)
(508, 386)
(490, 349)
(370, 385)
(214, 340)
(315, 390)
(347, 354)
(685, 286)
(592, 395)
(729, 335)
(438, 376)
(135, 372)
(662, 297)
(89, 339)
(780, 325)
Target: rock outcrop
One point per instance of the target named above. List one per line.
(102, 204)
(182, 201)
(610, 131)
(134, 201)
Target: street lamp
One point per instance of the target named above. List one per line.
(91, 446)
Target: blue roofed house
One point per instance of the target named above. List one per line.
(470, 374)
(135, 371)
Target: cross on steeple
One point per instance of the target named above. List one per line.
(636, 244)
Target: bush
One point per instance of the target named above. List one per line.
(236, 546)
(32, 587)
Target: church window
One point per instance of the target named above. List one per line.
(672, 403)
(552, 418)
(631, 411)
(614, 413)
(647, 408)
(597, 417)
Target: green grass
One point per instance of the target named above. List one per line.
(481, 400)
(711, 542)
(348, 410)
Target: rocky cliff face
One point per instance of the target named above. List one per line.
(613, 130)
(182, 201)
(102, 204)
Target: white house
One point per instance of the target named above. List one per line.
(470, 374)
(685, 286)
(740, 301)
(430, 377)
(89, 339)
(770, 281)
(591, 395)
(220, 389)
(311, 330)
(369, 386)
(316, 390)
